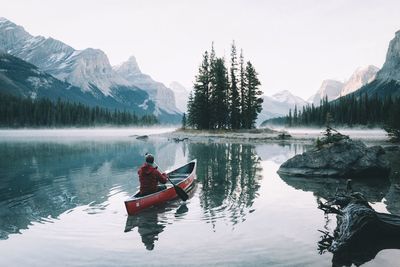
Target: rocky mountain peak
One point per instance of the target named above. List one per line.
(359, 78)
(286, 96)
(181, 95)
(129, 67)
(178, 88)
(163, 96)
(87, 69)
(391, 67)
(92, 67)
(11, 34)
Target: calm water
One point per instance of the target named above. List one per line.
(61, 204)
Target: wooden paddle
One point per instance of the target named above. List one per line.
(179, 191)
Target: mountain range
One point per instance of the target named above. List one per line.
(334, 89)
(279, 104)
(181, 95)
(368, 81)
(35, 66)
(387, 81)
(89, 70)
(372, 81)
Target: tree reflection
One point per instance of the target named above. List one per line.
(373, 189)
(229, 175)
(41, 180)
(369, 241)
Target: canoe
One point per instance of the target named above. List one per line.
(184, 177)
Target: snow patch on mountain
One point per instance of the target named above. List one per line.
(181, 95)
(37, 82)
(328, 88)
(279, 104)
(361, 77)
(162, 95)
(287, 97)
(87, 68)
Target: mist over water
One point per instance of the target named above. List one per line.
(62, 204)
(374, 134)
(79, 133)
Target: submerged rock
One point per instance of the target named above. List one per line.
(142, 137)
(345, 158)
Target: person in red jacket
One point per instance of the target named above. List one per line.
(149, 177)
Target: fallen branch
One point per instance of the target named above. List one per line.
(361, 232)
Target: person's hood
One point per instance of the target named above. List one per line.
(147, 168)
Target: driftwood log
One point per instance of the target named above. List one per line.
(361, 232)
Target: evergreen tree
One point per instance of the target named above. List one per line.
(223, 99)
(253, 101)
(184, 121)
(295, 115)
(26, 112)
(200, 110)
(192, 112)
(289, 119)
(243, 90)
(219, 97)
(235, 100)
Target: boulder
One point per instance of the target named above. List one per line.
(345, 158)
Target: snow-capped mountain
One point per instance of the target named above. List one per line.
(279, 104)
(181, 95)
(88, 69)
(286, 97)
(335, 89)
(359, 78)
(83, 68)
(329, 88)
(387, 80)
(22, 79)
(162, 95)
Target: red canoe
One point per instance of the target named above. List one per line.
(183, 177)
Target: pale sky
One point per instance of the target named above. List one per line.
(294, 45)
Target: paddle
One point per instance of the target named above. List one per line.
(179, 191)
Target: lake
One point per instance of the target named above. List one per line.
(62, 204)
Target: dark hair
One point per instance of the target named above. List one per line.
(149, 158)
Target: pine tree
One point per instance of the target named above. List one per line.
(253, 101)
(243, 90)
(192, 112)
(201, 106)
(219, 96)
(235, 100)
(184, 121)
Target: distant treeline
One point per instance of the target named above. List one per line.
(224, 98)
(27, 112)
(352, 110)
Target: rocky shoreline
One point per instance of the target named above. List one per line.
(390, 153)
(343, 159)
(263, 135)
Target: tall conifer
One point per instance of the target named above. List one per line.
(234, 91)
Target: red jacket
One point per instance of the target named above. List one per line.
(149, 177)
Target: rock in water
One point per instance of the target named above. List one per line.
(342, 159)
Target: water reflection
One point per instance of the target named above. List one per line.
(150, 223)
(280, 152)
(364, 249)
(148, 227)
(230, 176)
(41, 180)
(374, 190)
